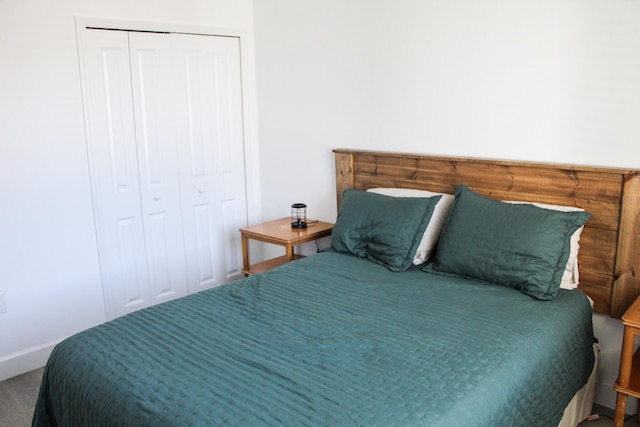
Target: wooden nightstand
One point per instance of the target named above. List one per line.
(628, 383)
(279, 232)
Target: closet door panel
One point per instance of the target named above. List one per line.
(128, 283)
(201, 218)
(114, 171)
(230, 156)
(166, 149)
(212, 163)
(153, 75)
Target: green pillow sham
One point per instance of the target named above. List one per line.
(521, 245)
(384, 229)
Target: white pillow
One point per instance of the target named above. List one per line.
(570, 278)
(436, 223)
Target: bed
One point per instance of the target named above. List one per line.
(363, 333)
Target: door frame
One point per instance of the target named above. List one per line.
(248, 81)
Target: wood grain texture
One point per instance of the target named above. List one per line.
(625, 289)
(344, 175)
(609, 254)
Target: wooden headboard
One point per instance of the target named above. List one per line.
(609, 254)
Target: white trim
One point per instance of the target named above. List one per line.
(250, 126)
(25, 360)
(164, 27)
(249, 97)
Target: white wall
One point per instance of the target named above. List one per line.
(552, 80)
(48, 258)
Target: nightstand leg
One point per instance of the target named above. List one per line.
(245, 255)
(626, 355)
(621, 405)
(624, 376)
(289, 252)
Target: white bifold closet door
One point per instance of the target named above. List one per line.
(166, 153)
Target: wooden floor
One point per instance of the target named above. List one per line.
(606, 418)
(18, 397)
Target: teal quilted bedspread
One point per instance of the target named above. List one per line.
(330, 340)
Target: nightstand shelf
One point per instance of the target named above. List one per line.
(628, 383)
(269, 264)
(279, 232)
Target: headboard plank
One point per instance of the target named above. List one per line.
(344, 174)
(482, 174)
(608, 256)
(625, 289)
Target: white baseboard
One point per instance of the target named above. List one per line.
(25, 360)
